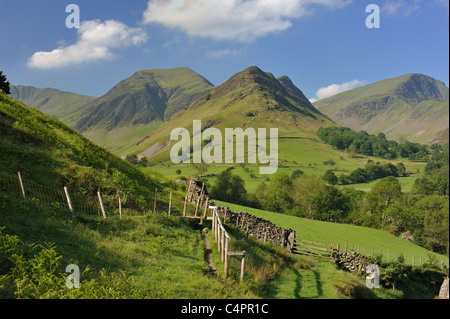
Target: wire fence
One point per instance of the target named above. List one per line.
(99, 204)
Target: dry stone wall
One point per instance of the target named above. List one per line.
(351, 261)
(254, 226)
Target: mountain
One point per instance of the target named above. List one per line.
(412, 107)
(136, 105)
(50, 101)
(48, 152)
(250, 99)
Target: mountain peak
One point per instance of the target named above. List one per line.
(146, 96)
(411, 107)
(417, 88)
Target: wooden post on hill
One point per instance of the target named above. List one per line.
(120, 208)
(186, 198)
(21, 186)
(227, 244)
(69, 202)
(101, 204)
(199, 200)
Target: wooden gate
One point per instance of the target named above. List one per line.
(310, 248)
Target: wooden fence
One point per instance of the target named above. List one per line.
(304, 247)
(310, 248)
(222, 239)
(99, 204)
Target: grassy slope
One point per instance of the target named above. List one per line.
(307, 155)
(50, 101)
(404, 119)
(135, 106)
(325, 232)
(228, 105)
(163, 256)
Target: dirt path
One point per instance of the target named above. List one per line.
(208, 258)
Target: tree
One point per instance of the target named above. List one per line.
(4, 84)
(297, 173)
(305, 190)
(330, 177)
(278, 195)
(383, 193)
(143, 162)
(201, 168)
(229, 188)
(132, 158)
(332, 205)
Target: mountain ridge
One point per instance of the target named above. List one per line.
(411, 107)
(250, 98)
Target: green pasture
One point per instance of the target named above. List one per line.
(367, 239)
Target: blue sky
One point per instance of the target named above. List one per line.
(324, 46)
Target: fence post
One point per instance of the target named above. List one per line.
(21, 186)
(199, 200)
(69, 202)
(227, 243)
(243, 267)
(101, 203)
(120, 208)
(186, 197)
(222, 243)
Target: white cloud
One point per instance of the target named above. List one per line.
(225, 52)
(394, 7)
(242, 20)
(334, 89)
(95, 41)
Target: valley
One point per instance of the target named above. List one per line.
(162, 256)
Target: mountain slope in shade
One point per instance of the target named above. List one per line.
(412, 107)
(138, 104)
(50, 101)
(249, 99)
(144, 97)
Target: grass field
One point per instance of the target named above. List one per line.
(305, 154)
(326, 232)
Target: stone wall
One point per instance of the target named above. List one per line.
(443, 292)
(255, 227)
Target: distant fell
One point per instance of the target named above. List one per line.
(146, 96)
(50, 101)
(251, 98)
(413, 107)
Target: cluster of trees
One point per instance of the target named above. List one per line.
(133, 159)
(361, 142)
(385, 206)
(371, 171)
(436, 178)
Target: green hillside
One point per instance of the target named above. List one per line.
(54, 102)
(249, 99)
(141, 255)
(412, 107)
(354, 236)
(136, 105)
